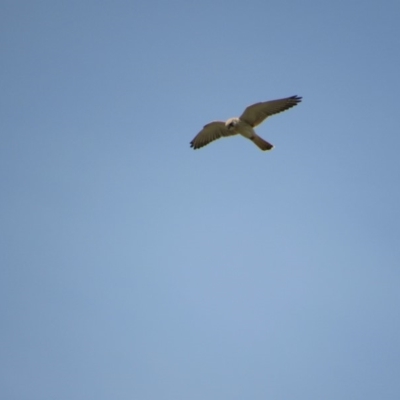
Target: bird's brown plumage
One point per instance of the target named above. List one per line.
(251, 117)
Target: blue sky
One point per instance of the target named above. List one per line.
(136, 268)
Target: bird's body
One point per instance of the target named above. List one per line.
(251, 117)
(242, 128)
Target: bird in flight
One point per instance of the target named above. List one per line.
(252, 116)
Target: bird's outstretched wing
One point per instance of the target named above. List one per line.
(212, 131)
(256, 113)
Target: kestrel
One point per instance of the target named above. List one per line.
(252, 116)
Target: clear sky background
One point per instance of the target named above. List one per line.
(133, 267)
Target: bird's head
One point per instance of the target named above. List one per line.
(231, 123)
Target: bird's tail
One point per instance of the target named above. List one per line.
(261, 143)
